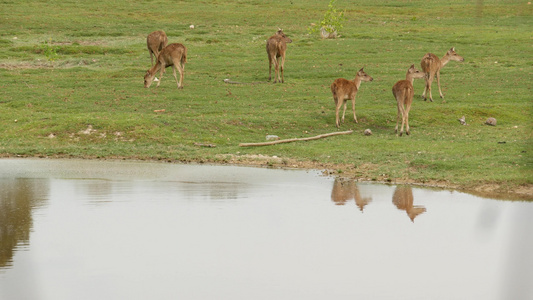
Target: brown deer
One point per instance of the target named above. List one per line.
(344, 90)
(155, 42)
(403, 91)
(276, 47)
(174, 55)
(431, 65)
(346, 190)
(403, 199)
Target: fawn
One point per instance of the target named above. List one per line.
(344, 90)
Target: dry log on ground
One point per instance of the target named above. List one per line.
(295, 139)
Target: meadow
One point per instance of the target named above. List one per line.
(72, 86)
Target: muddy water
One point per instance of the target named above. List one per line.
(131, 230)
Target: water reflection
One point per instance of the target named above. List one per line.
(346, 190)
(403, 199)
(246, 232)
(18, 197)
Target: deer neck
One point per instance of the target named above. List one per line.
(154, 69)
(357, 82)
(444, 60)
(410, 78)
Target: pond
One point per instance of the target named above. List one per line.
(74, 229)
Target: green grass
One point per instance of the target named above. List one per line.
(69, 64)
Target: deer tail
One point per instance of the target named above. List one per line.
(334, 91)
(184, 56)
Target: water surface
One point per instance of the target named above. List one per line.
(75, 229)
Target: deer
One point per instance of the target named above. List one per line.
(155, 42)
(174, 55)
(344, 90)
(276, 46)
(403, 199)
(403, 91)
(432, 65)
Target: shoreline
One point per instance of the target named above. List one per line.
(500, 191)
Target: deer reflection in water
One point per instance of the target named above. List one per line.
(403, 199)
(346, 190)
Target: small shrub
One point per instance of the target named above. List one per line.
(331, 23)
(49, 50)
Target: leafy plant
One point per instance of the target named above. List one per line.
(331, 23)
(49, 50)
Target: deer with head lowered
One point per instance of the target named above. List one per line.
(276, 47)
(174, 55)
(431, 65)
(155, 42)
(344, 90)
(403, 91)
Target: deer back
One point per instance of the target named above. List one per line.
(430, 63)
(277, 44)
(172, 52)
(157, 40)
(403, 90)
(343, 86)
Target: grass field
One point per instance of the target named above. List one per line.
(66, 65)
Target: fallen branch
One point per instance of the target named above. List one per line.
(295, 139)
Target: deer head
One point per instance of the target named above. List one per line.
(148, 78)
(364, 77)
(414, 73)
(283, 36)
(454, 56)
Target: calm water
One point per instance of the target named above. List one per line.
(131, 230)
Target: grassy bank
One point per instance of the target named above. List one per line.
(67, 67)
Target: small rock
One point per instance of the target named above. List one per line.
(491, 121)
(462, 120)
(191, 27)
(272, 137)
(368, 132)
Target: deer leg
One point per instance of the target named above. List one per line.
(343, 112)
(281, 67)
(429, 82)
(181, 69)
(353, 109)
(174, 67)
(276, 69)
(161, 74)
(269, 67)
(338, 105)
(397, 118)
(438, 83)
(425, 86)
(407, 130)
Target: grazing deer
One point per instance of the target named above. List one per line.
(276, 47)
(155, 42)
(431, 65)
(344, 90)
(403, 91)
(174, 55)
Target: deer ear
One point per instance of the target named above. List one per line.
(412, 66)
(453, 49)
(361, 69)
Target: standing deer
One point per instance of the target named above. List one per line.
(344, 90)
(403, 91)
(276, 47)
(155, 42)
(431, 65)
(174, 55)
